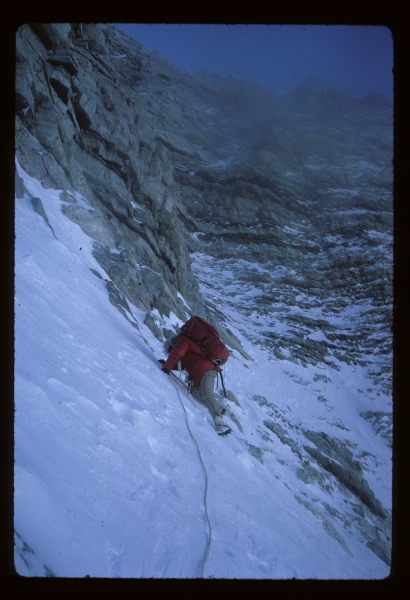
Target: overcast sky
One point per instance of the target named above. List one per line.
(356, 59)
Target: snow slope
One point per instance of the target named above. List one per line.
(108, 479)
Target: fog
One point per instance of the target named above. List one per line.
(357, 60)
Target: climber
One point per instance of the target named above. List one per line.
(201, 369)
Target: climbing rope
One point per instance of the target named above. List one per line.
(202, 463)
(206, 482)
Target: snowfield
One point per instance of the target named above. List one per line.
(109, 481)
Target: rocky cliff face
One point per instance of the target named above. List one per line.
(91, 110)
(291, 194)
(285, 201)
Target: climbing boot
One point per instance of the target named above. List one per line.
(220, 427)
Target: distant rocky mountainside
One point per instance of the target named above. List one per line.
(290, 196)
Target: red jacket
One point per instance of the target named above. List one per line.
(192, 359)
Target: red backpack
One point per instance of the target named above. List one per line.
(207, 338)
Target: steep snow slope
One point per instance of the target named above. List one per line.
(108, 480)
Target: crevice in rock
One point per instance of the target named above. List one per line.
(168, 262)
(83, 119)
(63, 61)
(42, 35)
(21, 103)
(60, 89)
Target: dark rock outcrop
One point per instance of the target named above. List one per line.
(39, 208)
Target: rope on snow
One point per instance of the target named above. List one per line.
(202, 463)
(206, 482)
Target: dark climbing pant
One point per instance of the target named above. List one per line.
(206, 395)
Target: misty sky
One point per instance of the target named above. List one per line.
(355, 59)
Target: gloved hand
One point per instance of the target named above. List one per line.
(162, 361)
(165, 370)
